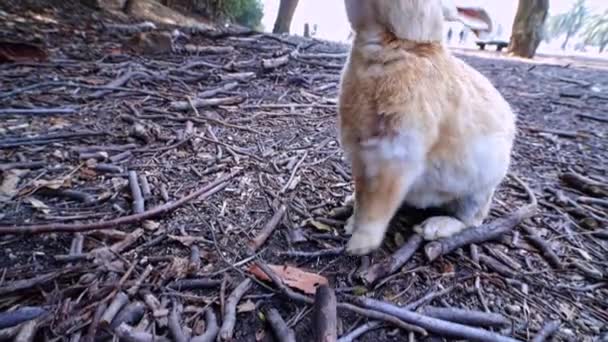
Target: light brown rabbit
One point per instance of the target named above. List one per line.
(418, 125)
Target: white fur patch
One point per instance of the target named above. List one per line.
(402, 148)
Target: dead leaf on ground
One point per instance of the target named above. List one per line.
(12, 52)
(293, 277)
(38, 205)
(247, 306)
(8, 188)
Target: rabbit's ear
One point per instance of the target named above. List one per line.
(475, 18)
(360, 13)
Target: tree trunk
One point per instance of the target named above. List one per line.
(286, 11)
(565, 44)
(528, 27)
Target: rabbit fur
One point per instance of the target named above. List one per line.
(418, 125)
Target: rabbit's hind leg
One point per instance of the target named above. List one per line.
(468, 211)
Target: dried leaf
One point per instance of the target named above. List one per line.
(150, 225)
(53, 184)
(293, 277)
(8, 188)
(38, 204)
(319, 225)
(11, 52)
(247, 306)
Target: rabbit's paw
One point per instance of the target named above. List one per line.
(363, 242)
(349, 228)
(439, 227)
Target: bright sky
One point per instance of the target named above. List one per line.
(330, 15)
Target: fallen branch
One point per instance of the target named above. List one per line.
(132, 291)
(130, 314)
(281, 331)
(360, 331)
(138, 198)
(467, 317)
(121, 299)
(434, 325)
(548, 330)
(325, 317)
(211, 329)
(497, 266)
(315, 254)
(25, 284)
(128, 333)
(119, 82)
(36, 111)
(429, 297)
(175, 325)
(543, 246)
(392, 263)
(200, 194)
(585, 184)
(267, 230)
(28, 331)
(194, 284)
(376, 315)
(18, 316)
(229, 321)
(208, 102)
(47, 138)
(194, 263)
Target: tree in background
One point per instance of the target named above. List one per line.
(528, 27)
(596, 31)
(286, 10)
(569, 23)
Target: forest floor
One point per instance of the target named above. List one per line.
(105, 132)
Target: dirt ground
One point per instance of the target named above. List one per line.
(275, 128)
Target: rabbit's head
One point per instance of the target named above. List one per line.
(415, 20)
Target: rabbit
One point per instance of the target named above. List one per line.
(418, 125)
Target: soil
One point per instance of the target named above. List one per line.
(277, 127)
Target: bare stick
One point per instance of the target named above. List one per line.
(467, 317)
(434, 325)
(92, 331)
(381, 316)
(429, 297)
(325, 315)
(27, 313)
(281, 331)
(202, 193)
(543, 246)
(257, 242)
(211, 330)
(130, 314)
(548, 330)
(129, 334)
(315, 254)
(360, 331)
(119, 82)
(485, 232)
(376, 315)
(132, 291)
(175, 325)
(138, 199)
(77, 244)
(121, 299)
(209, 102)
(8, 334)
(193, 284)
(145, 186)
(25, 284)
(28, 331)
(229, 321)
(221, 89)
(36, 111)
(497, 266)
(194, 264)
(394, 262)
(585, 184)
(273, 63)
